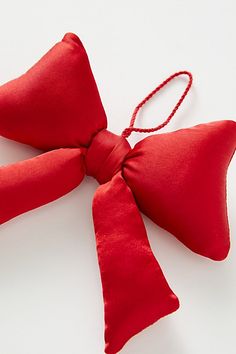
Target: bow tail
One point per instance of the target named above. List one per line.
(28, 184)
(135, 291)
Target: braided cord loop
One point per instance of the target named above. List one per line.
(127, 131)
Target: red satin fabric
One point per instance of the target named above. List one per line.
(135, 291)
(105, 155)
(177, 179)
(29, 184)
(56, 103)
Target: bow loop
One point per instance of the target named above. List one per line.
(56, 103)
(179, 181)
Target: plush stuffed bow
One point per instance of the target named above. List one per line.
(177, 179)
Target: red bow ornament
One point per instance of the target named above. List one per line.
(177, 179)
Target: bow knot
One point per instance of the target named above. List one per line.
(105, 155)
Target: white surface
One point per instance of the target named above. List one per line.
(50, 290)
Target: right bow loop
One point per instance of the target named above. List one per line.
(179, 181)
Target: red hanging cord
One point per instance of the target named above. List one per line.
(126, 132)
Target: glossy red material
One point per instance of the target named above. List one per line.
(56, 103)
(105, 155)
(29, 184)
(135, 291)
(177, 179)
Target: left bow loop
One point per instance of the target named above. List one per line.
(56, 103)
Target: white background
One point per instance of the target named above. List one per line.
(50, 290)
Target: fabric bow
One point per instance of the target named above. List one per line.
(177, 179)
